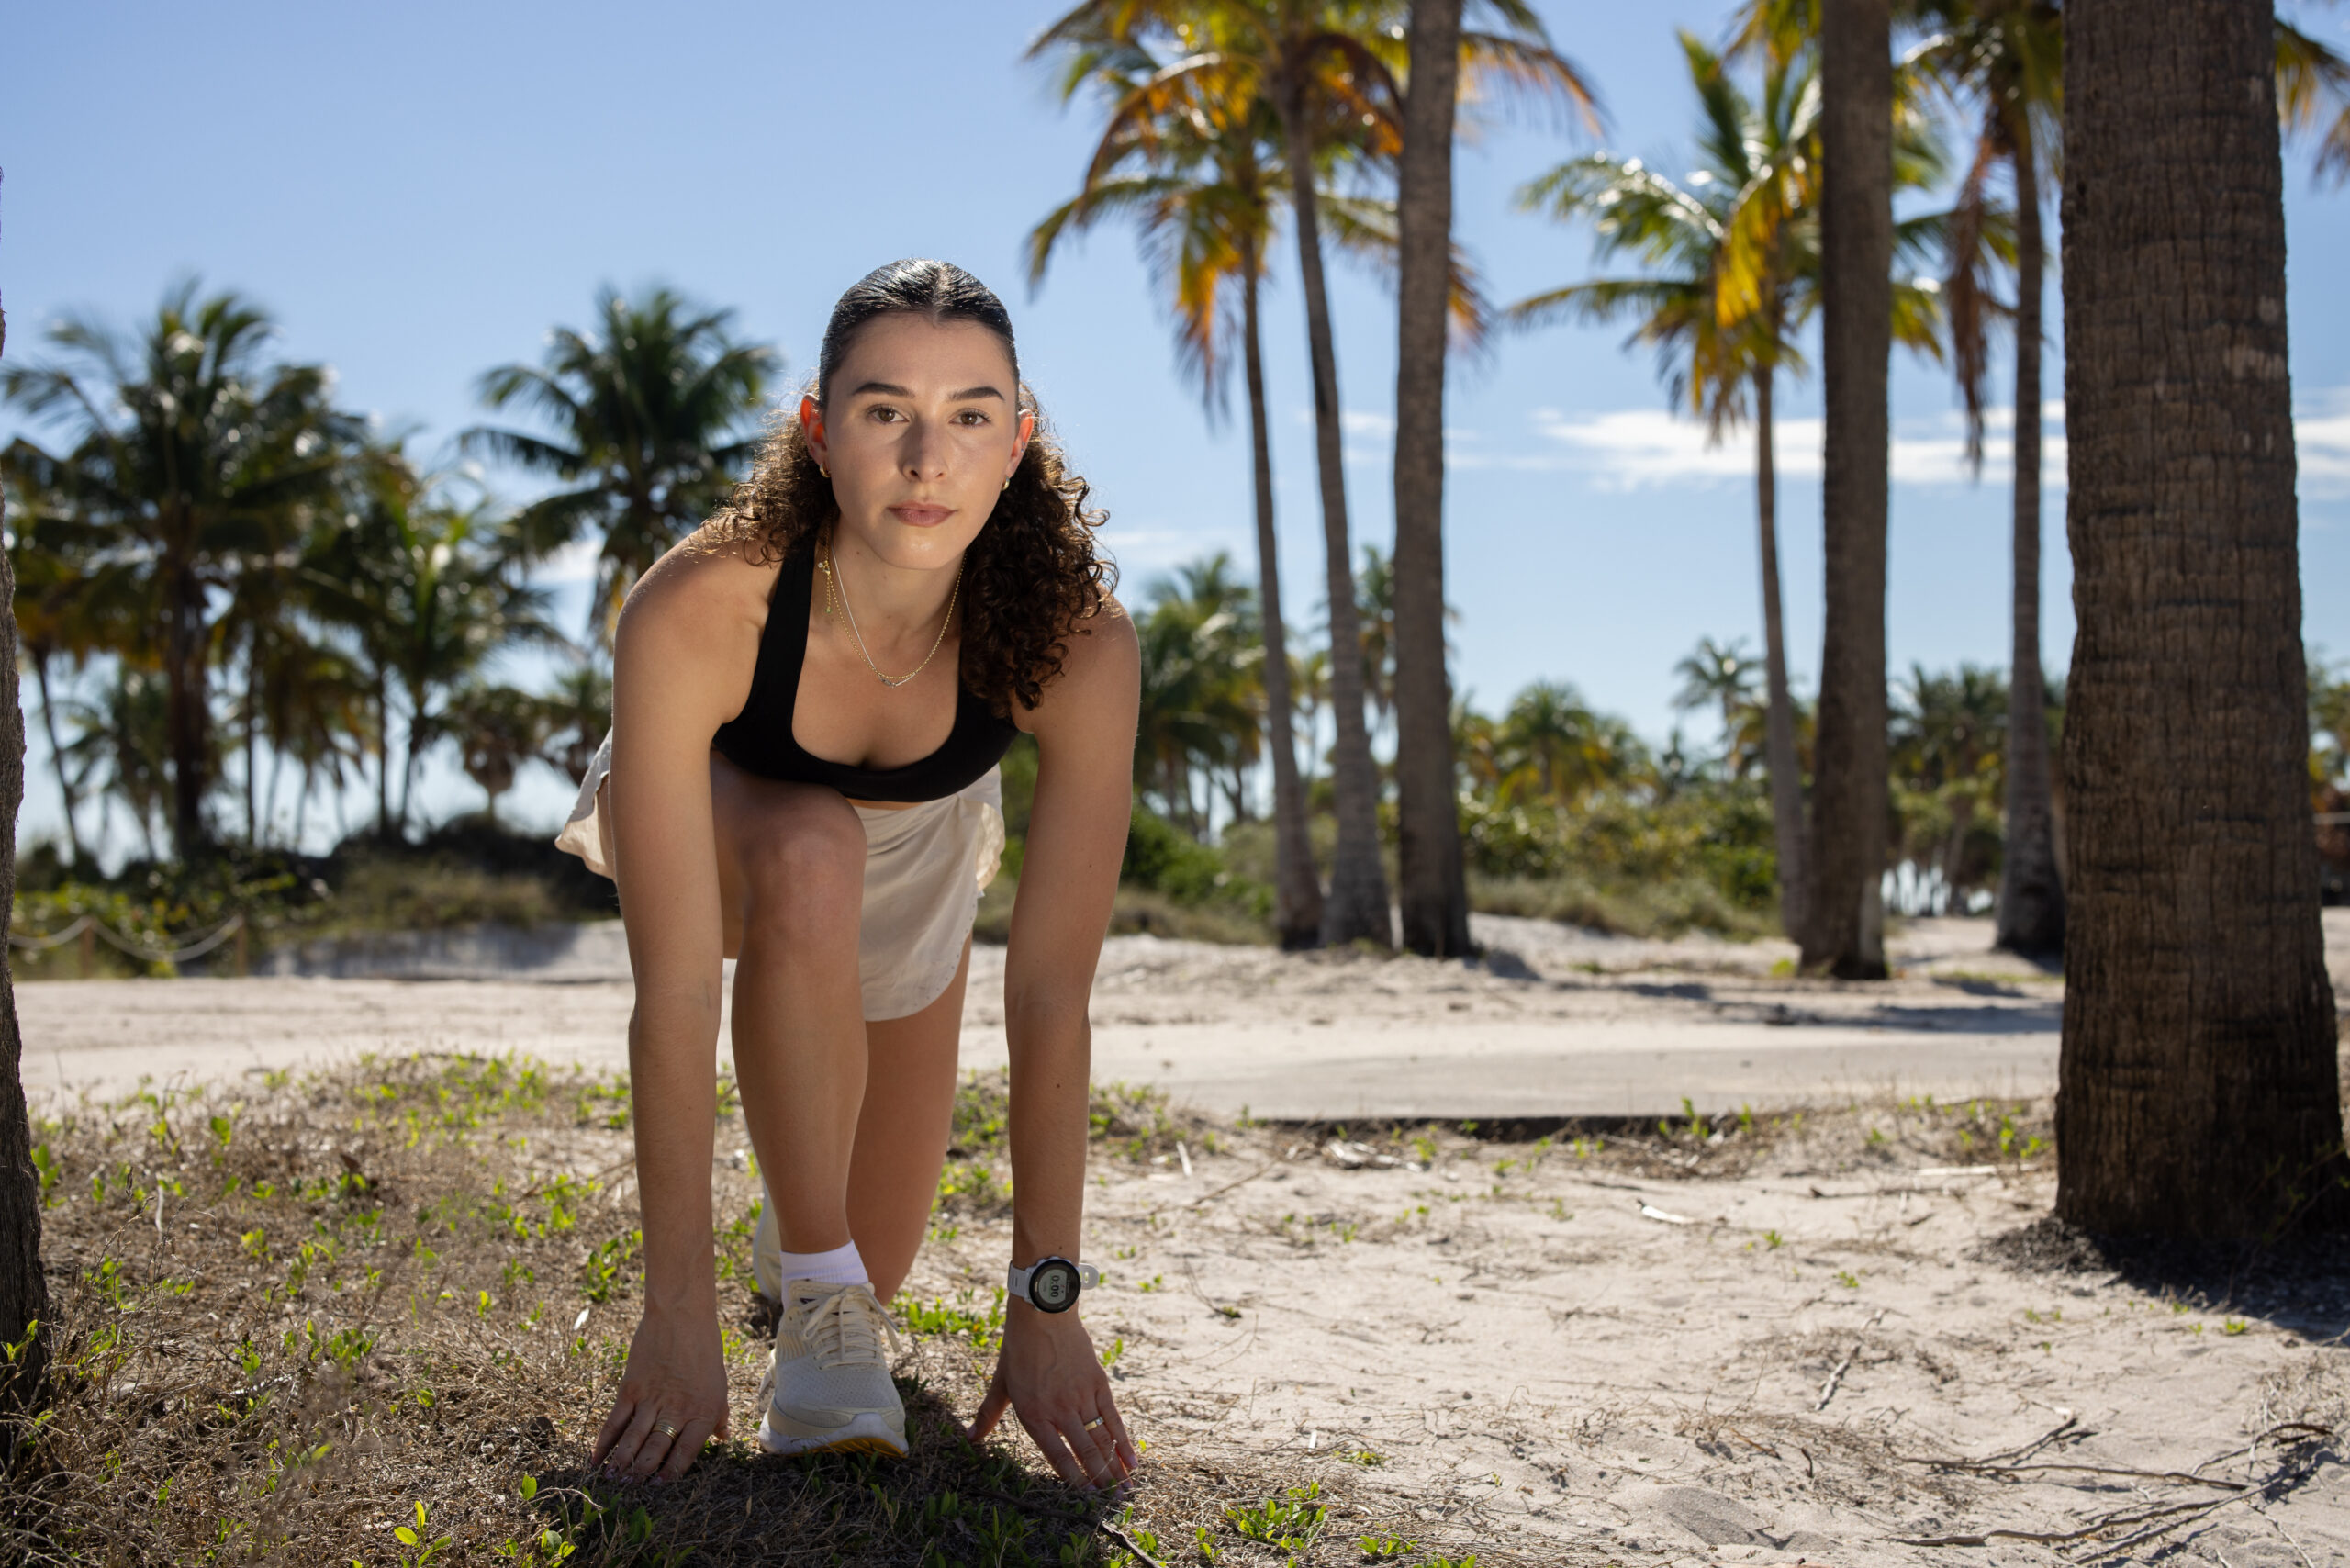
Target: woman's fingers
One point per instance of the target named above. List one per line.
(1056, 1450)
(1114, 1427)
(614, 1424)
(685, 1447)
(1101, 1464)
(992, 1409)
(627, 1450)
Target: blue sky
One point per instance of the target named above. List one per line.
(419, 192)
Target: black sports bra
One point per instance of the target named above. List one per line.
(759, 740)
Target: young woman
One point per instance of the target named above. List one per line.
(809, 700)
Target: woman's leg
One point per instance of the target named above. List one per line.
(791, 876)
(903, 1130)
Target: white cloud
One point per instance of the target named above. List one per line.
(2321, 438)
(574, 563)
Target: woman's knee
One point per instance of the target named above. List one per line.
(803, 867)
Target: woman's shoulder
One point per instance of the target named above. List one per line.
(1101, 667)
(705, 592)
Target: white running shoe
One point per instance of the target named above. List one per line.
(828, 1388)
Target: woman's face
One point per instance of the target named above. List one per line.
(921, 428)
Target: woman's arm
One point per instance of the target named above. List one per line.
(1068, 878)
(677, 674)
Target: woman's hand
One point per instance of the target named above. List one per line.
(1049, 1377)
(672, 1398)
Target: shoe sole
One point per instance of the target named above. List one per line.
(864, 1434)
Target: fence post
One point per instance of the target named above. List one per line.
(89, 950)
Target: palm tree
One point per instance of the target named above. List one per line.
(428, 586)
(497, 729)
(1328, 70)
(1842, 931)
(1551, 746)
(1949, 745)
(192, 453)
(121, 746)
(1731, 273)
(579, 711)
(1203, 690)
(1201, 178)
(2200, 1088)
(2004, 59)
(651, 413)
(2313, 97)
(1722, 677)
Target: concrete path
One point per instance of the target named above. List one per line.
(1554, 1022)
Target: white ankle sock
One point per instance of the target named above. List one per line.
(841, 1266)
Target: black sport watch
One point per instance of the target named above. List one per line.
(1051, 1285)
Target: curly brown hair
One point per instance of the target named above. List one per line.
(1030, 577)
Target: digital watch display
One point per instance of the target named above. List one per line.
(1051, 1285)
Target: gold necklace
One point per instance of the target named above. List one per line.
(825, 566)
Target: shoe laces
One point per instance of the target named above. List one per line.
(846, 1328)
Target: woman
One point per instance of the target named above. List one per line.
(809, 700)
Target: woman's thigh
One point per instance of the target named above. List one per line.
(903, 1130)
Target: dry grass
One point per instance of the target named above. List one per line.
(294, 1320)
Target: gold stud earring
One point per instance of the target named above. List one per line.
(1007, 482)
(825, 471)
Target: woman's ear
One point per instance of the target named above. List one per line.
(1020, 447)
(812, 425)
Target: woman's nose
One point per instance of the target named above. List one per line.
(923, 455)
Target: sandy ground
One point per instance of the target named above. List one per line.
(1552, 1022)
(1555, 1361)
(1818, 1351)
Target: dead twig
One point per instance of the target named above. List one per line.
(2057, 1538)
(1827, 1389)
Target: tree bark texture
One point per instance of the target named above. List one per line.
(24, 1288)
(1355, 908)
(2199, 1088)
(2032, 884)
(1779, 711)
(1434, 891)
(1843, 924)
(188, 706)
(1298, 888)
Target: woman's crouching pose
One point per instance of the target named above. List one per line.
(810, 697)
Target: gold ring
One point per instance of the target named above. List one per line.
(1094, 1423)
(664, 1429)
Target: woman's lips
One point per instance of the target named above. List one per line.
(918, 515)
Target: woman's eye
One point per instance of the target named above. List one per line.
(971, 416)
(883, 414)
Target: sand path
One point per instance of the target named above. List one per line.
(1553, 1022)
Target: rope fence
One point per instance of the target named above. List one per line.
(89, 929)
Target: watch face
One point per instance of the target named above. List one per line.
(1053, 1287)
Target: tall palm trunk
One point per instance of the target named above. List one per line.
(1843, 912)
(252, 743)
(1297, 889)
(57, 755)
(186, 706)
(2031, 885)
(383, 755)
(1434, 895)
(24, 1288)
(1357, 907)
(2201, 1090)
(1778, 712)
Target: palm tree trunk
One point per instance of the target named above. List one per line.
(57, 755)
(186, 707)
(1356, 909)
(383, 755)
(1297, 889)
(2031, 885)
(24, 1288)
(1843, 911)
(253, 749)
(1434, 891)
(2200, 1091)
(1779, 711)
